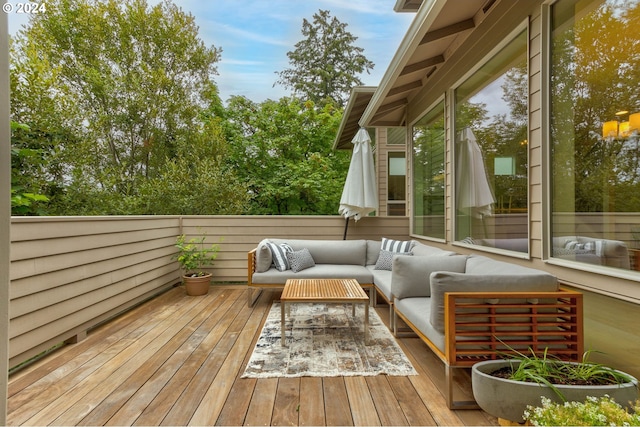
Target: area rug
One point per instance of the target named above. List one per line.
(325, 340)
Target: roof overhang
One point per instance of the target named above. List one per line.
(358, 101)
(440, 26)
(407, 5)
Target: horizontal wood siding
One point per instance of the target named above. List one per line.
(70, 273)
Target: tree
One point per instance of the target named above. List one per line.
(129, 85)
(324, 65)
(282, 151)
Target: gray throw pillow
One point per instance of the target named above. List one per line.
(300, 260)
(410, 275)
(263, 257)
(385, 259)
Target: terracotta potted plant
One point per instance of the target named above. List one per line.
(193, 256)
(504, 388)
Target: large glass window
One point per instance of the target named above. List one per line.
(594, 131)
(428, 148)
(491, 151)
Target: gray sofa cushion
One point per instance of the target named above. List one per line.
(494, 279)
(320, 271)
(410, 275)
(417, 311)
(263, 257)
(420, 249)
(382, 280)
(373, 250)
(352, 252)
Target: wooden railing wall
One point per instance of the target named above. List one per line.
(68, 274)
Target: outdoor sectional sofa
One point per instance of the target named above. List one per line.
(336, 259)
(470, 308)
(466, 308)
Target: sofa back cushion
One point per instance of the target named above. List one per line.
(410, 275)
(420, 249)
(495, 278)
(347, 252)
(373, 251)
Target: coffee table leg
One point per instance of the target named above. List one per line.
(282, 329)
(366, 323)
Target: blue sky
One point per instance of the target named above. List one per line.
(255, 36)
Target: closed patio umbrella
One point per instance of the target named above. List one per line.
(360, 194)
(474, 194)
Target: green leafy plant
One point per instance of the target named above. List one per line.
(551, 371)
(594, 411)
(193, 255)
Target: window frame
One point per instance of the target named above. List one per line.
(547, 158)
(525, 26)
(410, 196)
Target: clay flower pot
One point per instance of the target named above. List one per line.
(197, 285)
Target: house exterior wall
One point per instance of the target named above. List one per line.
(611, 297)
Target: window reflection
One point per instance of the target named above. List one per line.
(595, 160)
(491, 151)
(428, 163)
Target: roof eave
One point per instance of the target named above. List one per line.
(425, 17)
(351, 116)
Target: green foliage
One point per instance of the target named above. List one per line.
(125, 84)
(602, 411)
(550, 371)
(282, 151)
(193, 255)
(326, 63)
(29, 176)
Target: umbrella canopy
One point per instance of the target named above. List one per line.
(360, 194)
(473, 191)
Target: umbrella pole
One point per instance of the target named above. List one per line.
(346, 226)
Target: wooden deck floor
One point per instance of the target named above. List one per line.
(177, 360)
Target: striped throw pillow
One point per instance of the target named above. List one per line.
(396, 245)
(279, 255)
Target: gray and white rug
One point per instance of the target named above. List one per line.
(324, 340)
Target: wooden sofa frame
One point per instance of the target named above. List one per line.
(486, 325)
(251, 268)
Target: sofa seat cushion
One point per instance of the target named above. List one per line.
(320, 271)
(352, 252)
(382, 281)
(417, 311)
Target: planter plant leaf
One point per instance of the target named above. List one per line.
(193, 255)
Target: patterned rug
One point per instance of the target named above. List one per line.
(327, 342)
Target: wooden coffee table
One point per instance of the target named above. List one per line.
(338, 291)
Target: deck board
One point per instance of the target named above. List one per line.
(178, 360)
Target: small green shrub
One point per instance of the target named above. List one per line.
(193, 255)
(594, 411)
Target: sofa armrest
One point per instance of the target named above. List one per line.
(251, 265)
(486, 325)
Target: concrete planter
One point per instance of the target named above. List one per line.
(508, 399)
(197, 285)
